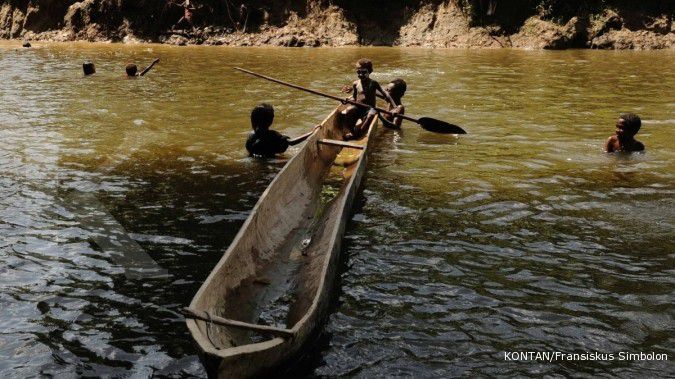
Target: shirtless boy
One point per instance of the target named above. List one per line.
(396, 89)
(266, 143)
(364, 90)
(627, 126)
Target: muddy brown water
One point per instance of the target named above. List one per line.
(520, 236)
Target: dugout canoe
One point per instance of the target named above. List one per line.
(269, 293)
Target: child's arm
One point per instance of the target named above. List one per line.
(386, 95)
(397, 120)
(303, 137)
(353, 96)
(387, 123)
(609, 145)
(149, 67)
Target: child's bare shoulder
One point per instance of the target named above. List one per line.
(609, 145)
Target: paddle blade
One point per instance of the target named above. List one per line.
(438, 126)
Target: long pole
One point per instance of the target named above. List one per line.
(322, 94)
(428, 123)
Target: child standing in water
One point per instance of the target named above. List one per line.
(627, 126)
(396, 89)
(266, 143)
(364, 90)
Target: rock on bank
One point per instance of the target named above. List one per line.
(532, 24)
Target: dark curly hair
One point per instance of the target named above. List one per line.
(399, 87)
(365, 63)
(131, 69)
(631, 122)
(262, 116)
(88, 68)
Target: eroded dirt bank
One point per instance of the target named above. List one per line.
(535, 24)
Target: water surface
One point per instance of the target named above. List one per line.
(522, 235)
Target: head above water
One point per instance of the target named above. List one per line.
(628, 125)
(88, 68)
(364, 67)
(131, 69)
(262, 116)
(397, 88)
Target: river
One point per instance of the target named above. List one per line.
(519, 236)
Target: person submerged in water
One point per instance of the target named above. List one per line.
(396, 89)
(132, 69)
(364, 90)
(266, 143)
(627, 126)
(88, 68)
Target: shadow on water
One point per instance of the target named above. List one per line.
(182, 209)
(197, 200)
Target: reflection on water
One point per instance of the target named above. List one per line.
(521, 235)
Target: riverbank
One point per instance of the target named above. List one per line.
(313, 23)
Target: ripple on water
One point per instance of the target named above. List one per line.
(519, 236)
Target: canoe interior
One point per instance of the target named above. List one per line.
(271, 272)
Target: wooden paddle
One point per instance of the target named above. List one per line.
(427, 123)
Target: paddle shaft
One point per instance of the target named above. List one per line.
(427, 123)
(323, 94)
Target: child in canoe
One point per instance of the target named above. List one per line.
(627, 126)
(364, 90)
(266, 143)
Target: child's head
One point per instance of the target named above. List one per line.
(262, 116)
(88, 68)
(131, 69)
(397, 88)
(628, 125)
(364, 67)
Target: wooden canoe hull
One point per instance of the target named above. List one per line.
(248, 275)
